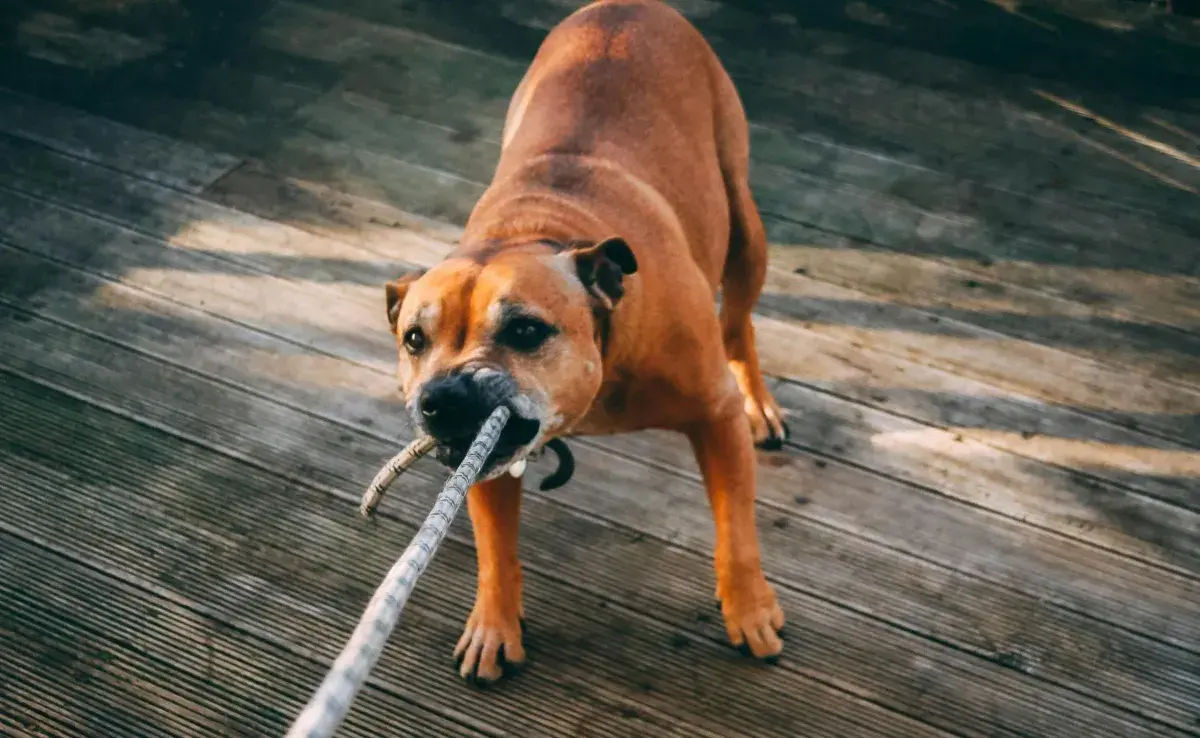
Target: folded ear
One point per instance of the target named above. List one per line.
(395, 292)
(602, 267)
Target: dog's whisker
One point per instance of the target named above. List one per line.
(392, 469)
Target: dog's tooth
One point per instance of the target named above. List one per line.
(517, 469)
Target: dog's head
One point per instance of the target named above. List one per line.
(520, 326)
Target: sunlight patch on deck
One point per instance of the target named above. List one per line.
(1070, 452)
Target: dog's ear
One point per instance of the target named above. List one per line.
(395, 291)
(603, 266)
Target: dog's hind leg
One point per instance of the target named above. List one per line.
(744, 274)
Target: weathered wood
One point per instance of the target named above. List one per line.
(541, 592)
(822, 356)
(151, 666)
(246, 420)
(1082, 334)
(848, 164)
(985, 359)
(1163, 534)
(171, 163)
(237, 527)
(1158, 383)
(1058, 149)
(217, 239)
(1070, 287)
(903, 617)
(1166, 353)
(778, 148)
(327, 161)
(684, 529)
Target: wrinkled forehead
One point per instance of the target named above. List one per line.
(538, 281)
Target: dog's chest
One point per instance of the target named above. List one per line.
(626, 403)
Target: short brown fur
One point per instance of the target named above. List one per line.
(625, 125)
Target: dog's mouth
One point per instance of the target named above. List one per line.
(518, 435)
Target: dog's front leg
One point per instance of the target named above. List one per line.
(724, 448)
(491, 640)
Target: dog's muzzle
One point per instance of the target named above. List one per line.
(453, 407)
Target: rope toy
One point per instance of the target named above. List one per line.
(328, 707)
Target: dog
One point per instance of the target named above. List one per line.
(583, 296)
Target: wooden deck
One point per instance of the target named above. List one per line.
(983, 313)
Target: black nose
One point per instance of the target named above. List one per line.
(454, 408)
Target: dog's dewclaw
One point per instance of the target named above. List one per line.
(394, 468)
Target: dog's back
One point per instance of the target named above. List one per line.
(624, 100)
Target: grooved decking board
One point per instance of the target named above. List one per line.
(188, 343)
(211, 523)
(786, 83)
(831, 199)
(461, 93)
(86, 654)
(964, 541)
(171, 163)
(951, 213)
(957, 301)
(1027, 636)
(346, 324)
(163, 478)
(936, 394)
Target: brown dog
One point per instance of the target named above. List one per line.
(583, 297)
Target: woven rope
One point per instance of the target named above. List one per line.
(392, 469)
(328, 707)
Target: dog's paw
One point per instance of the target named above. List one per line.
(767, 422)
(490, 647)
(754, 620)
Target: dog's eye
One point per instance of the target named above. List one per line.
(414, 340)
(525, 334)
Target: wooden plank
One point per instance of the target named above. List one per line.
(90, 655)
(283, 592)
(1072, 288)
(1176, 540)
(808, 154)
(808, 93)
(921, 54)
(101, 141)
(449, 87)
(1164, 535)
(815, 557)
(237, 110)
(882, 300)
(1112, 300)
(831, 360)
(1170, 366)
(1082, 328)
(309, 537)
(542, 593)
(1183, 420)
(1010, 232)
